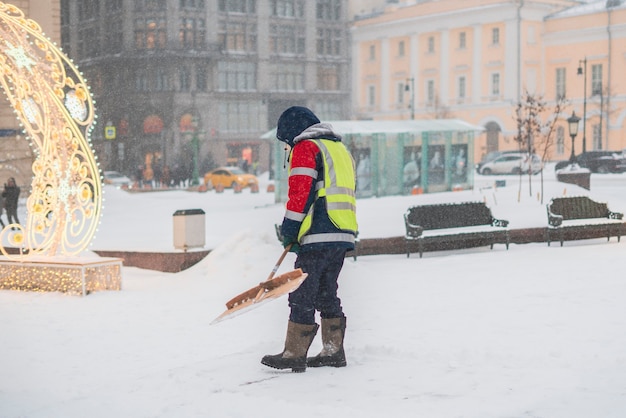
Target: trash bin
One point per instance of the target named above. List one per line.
(575, 175)
(189, 228)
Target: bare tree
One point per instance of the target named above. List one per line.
(605, 113)
(536, 135)
(439, 110)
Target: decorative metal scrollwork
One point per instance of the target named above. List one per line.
(56, 110)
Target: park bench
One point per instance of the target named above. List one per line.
(458, 225)
(579, 213)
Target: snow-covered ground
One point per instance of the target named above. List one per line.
(534, 331)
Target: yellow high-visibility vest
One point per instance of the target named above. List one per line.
(338, 188)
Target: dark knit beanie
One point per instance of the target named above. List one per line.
(293, 122)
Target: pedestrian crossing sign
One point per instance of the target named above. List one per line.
(109, 132)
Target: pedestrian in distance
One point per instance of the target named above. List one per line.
(139, 176)
(320, 226)
(11, 195)
(1, 210)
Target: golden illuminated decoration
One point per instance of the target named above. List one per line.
(76, 278)
(56, 111)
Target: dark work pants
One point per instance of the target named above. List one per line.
(12, 215)
(319, 289)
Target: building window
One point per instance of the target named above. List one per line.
(288, 76)
(462, 40)
(141, 81)
(596, 80)
(161, 80)
(327, 110)
(149, 5)
(495, 84)
(431, 44)
(371, 96)
(236, 76)
(65, 29)
(401, 48)
(114, 37)
(150, 33)
(597, 139)
(192, 4)
(287, 8)
(462, 84)
(560, 83)
(400, 92)
(238, 36)
(191, 33)
(430, 91)
(495, 36)
(327, 78)
(328, 9)
(88, 10)
(201, 78)
(237, 6)
(531, 35)
(113, 6)
(328, 42)
(372, 52)
(184, 79)
(240, 116)
(560, 140)
(287, 39)
(88, 42)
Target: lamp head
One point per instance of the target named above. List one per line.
(572, 122)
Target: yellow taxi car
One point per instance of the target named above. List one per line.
(228, 177)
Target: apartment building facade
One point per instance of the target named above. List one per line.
(476, 59)
(172, 75)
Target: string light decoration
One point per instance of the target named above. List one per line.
(56, 111)
(61, 276)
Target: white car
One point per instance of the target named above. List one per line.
(512, 163)
(117, 179)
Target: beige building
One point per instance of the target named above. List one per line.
(16, 156)
(475, 59)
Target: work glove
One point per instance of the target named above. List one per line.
(295, 247)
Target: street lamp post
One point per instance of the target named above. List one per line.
(195, 145)
(412, 88)
(583, 72)
(572, 123)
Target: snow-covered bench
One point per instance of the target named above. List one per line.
(579, 213)
(453, 222)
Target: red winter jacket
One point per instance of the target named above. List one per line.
(306, 169)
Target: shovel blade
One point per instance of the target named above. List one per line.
(264, 292)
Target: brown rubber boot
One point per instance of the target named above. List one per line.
(332, 354)
(297, 343)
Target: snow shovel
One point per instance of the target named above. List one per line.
(268, 290)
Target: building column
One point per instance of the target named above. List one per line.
(385, 78)
(444, 72)
(477, 75)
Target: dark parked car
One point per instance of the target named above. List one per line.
(598, 162)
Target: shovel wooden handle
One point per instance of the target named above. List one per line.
(279, 262)
(257, 291)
